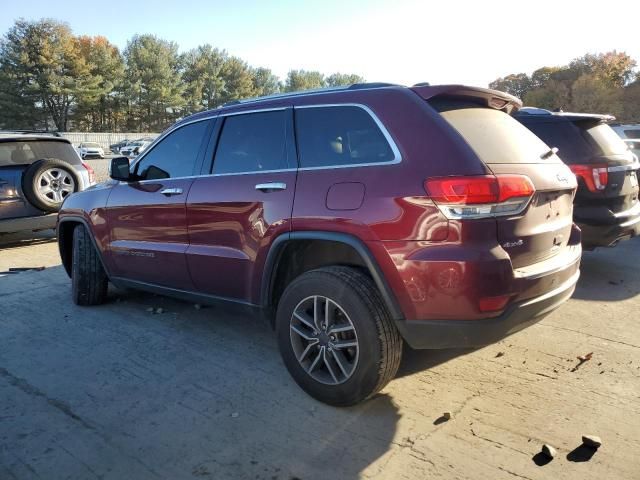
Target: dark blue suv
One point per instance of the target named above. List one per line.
(37, 172)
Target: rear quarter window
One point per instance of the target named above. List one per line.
(335, 136)
(605, 139)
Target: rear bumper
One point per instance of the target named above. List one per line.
(620, 226)
(42, 222)
(437, 334)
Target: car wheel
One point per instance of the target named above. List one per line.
(336, 336)
(88, 279)
(46, 183)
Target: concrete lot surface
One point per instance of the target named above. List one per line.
(116, 392)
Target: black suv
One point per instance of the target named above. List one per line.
(606, 206)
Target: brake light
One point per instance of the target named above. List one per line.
(92, 174)
(480, 196)
(595, 176)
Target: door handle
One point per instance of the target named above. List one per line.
(271, 186)
(171, 191)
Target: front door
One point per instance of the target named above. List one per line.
(237, 211)
(147, 217)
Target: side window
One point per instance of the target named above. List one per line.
(175, 155)
(252, 142)
(342, 135)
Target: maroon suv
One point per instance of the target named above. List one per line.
(353, 217)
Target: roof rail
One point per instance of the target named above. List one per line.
(276, 96)
(47, 132)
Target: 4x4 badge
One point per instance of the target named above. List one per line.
(517, 243)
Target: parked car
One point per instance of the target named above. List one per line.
(606, 206)
(116, 147)
(134, 148)
(630, 134)
(90, 150)
(37, 173)
(353, 218)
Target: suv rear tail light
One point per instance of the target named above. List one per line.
(480, 196)
(92, 174)
(595, 176)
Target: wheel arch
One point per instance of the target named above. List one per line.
(64, 232)
(346, 249)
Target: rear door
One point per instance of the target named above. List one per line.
(543, 229)
(241, 203)
(147, 218)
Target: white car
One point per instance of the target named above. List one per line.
(90, 150)
(630, 133)
(134, 148)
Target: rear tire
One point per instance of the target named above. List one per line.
(89, 281)
(358, 318)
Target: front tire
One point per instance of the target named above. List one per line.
(336, 336)
(89, 281)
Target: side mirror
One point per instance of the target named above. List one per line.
(119, 169)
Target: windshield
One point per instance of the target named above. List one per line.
(495, 136)
(90, 145)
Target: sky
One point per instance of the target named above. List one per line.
(397, 41)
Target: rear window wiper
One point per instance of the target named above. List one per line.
(549, 153)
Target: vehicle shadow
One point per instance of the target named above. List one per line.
(414, 361)
(610, 274)
(26, 239)
(229, 397)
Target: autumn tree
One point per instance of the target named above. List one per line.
(516, 84)
(42, 60)
(100, 109)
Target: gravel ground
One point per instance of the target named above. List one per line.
(116, 392)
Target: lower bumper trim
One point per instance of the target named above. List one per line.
(438, 334)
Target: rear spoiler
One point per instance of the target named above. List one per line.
(490, 98)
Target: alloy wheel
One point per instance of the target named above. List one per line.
(55, 184)
(324, 340)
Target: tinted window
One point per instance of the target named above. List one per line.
(333, 136)
(566, 137)
(496, 137)
(632, 133)
(17, 153)
(175, 155)
(252, 142)
(608, 141)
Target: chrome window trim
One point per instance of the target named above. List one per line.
(392, 144)
(283, 170)
(397, 156)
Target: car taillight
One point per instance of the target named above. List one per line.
(595, 176)
(480, 196)
(92, 174)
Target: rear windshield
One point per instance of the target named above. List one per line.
(495, 136)
(573, 147)
(25, 152)
(605, 139)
